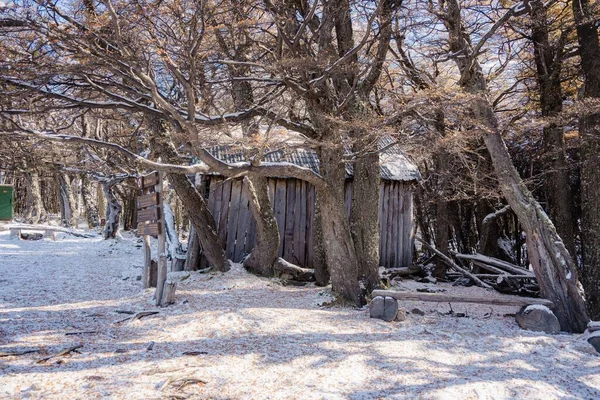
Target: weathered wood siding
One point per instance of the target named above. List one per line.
(294, 206)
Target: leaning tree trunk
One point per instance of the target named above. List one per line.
(554, 268)
(339, 248)
(364, 219)
(113, 210)
(552, 264)
(35, 211)
(264, 254)
(589, 130)
(195, 205)
(202, 220)
(89, 203)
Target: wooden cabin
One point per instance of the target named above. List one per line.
(294, 205)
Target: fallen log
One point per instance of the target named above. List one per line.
(452, 264)
(403, 271)
(480, 258)
(454, 298)
(286, 270)
(503, 276)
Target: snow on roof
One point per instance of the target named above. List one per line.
(395, 166)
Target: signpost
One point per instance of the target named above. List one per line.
(150, 222)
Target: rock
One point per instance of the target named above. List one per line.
(385, 308)
(416, 311)
(391, 309)
(401, 315)
(377, 307)
(538, 318)
(593, 326)
(594, 340)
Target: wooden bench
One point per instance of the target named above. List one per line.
(47, 232)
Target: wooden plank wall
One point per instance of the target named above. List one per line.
(294, 206)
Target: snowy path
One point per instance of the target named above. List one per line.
(255, 339)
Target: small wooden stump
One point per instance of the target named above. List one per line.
(385, 308)
(538, 318)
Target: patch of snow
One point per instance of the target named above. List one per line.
(539, 307)
(255, 338)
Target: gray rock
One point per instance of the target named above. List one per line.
(377, 307)
(593, 338)
(538, 318)
(385, 308)
(391, 309)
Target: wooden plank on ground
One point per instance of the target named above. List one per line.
(148, 214)
(461, 298)
(147, 200)
(280, 196)
(234, 212)
(151, 228)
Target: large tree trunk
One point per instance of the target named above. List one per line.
(364, 218)
(89, 203)
(68, 213)
(339, 248)
(113, 210)
(556, 180)
(35, 211)
(554, 268)
(586, 17)
(264, 254)
(319, 261)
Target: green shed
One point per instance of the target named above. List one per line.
(6, 202)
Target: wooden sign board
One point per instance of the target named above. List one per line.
(151, 229)
(148, 180)
(147, 200)
(148, 214)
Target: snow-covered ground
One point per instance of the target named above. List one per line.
(254, 338)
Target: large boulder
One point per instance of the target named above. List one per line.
(538, 318)
(385, 308)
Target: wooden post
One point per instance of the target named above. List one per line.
(162, 252)
(150, 219)
(147, 262)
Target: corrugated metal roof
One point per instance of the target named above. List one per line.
(394, 164)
